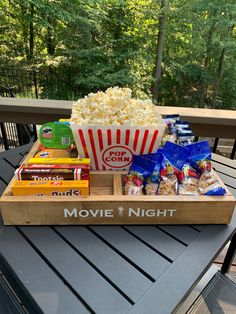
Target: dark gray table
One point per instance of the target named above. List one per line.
(110, 269)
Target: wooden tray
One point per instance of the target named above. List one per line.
(107, 205)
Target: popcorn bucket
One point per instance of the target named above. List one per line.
(113, 147)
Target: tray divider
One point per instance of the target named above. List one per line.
(117, 184)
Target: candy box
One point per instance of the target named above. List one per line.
(51, 188)
(113, 147)
(59, 161)
(53, 174)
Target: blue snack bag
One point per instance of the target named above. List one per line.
(157, 157)
(209, 185)
(170, 121)
(144, 172)
(188, 180)
(144, 162)
(134, 180)
(200, 159)
(185, 137)
(200, 156)
(140, 169)
(174, 157)
(152, 182)
(181, 125)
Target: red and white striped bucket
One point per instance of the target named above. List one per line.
(113, 147)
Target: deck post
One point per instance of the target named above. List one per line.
(229, 257)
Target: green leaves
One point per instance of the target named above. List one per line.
(85, 46)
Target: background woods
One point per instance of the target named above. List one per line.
(179, 52)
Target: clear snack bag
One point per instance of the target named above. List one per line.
(174, 157)
(200, 160)
(188, 180)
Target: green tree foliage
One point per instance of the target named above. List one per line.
(84, 46)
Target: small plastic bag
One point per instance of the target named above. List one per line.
(140, 169)
(170, 120)
(168, 137)
(134, 181)
(168, 185)
(151, 185)
(209, 185)
(181, 125)
(200, 159)
(152, 182)
(174, 157)
(200, 156)
(188, 181)
(185, 137)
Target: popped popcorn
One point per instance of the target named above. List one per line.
(114, 107)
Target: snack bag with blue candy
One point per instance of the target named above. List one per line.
(174, 157)
(155, 156)
(152, 182)
(200, 156)
(188, 180)
(170, 120)
(185, 137)
(200, 159)
(170, 132)
(209, 185)
(134, 181)
(181, 125)
(140, 169)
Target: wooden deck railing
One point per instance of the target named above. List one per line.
(204, 122)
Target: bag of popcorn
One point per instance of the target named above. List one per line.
(110, 127)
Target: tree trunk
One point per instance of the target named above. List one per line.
(25, 39)
(159, 52)
(203, 87)
(50, 42)
(50, 38)
(25, 29)
(218, 76)
(220, 69)
(31, 33)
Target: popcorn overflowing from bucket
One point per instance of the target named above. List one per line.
(114, 107)
(111, 127)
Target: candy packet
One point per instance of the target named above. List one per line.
(140, 169)
(177, 131)
(188, 180)
(170, 120)
(168, 137)
(185, 137)
(152, 182)
(174, 157)
(200, 156)
(200, 159)
(181, 125)
(209, 185)
(156, 157)
(134, 181)
(145, 161)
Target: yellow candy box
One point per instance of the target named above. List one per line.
(59, 161)
(51, 188)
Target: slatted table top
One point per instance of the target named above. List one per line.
(110, 269)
